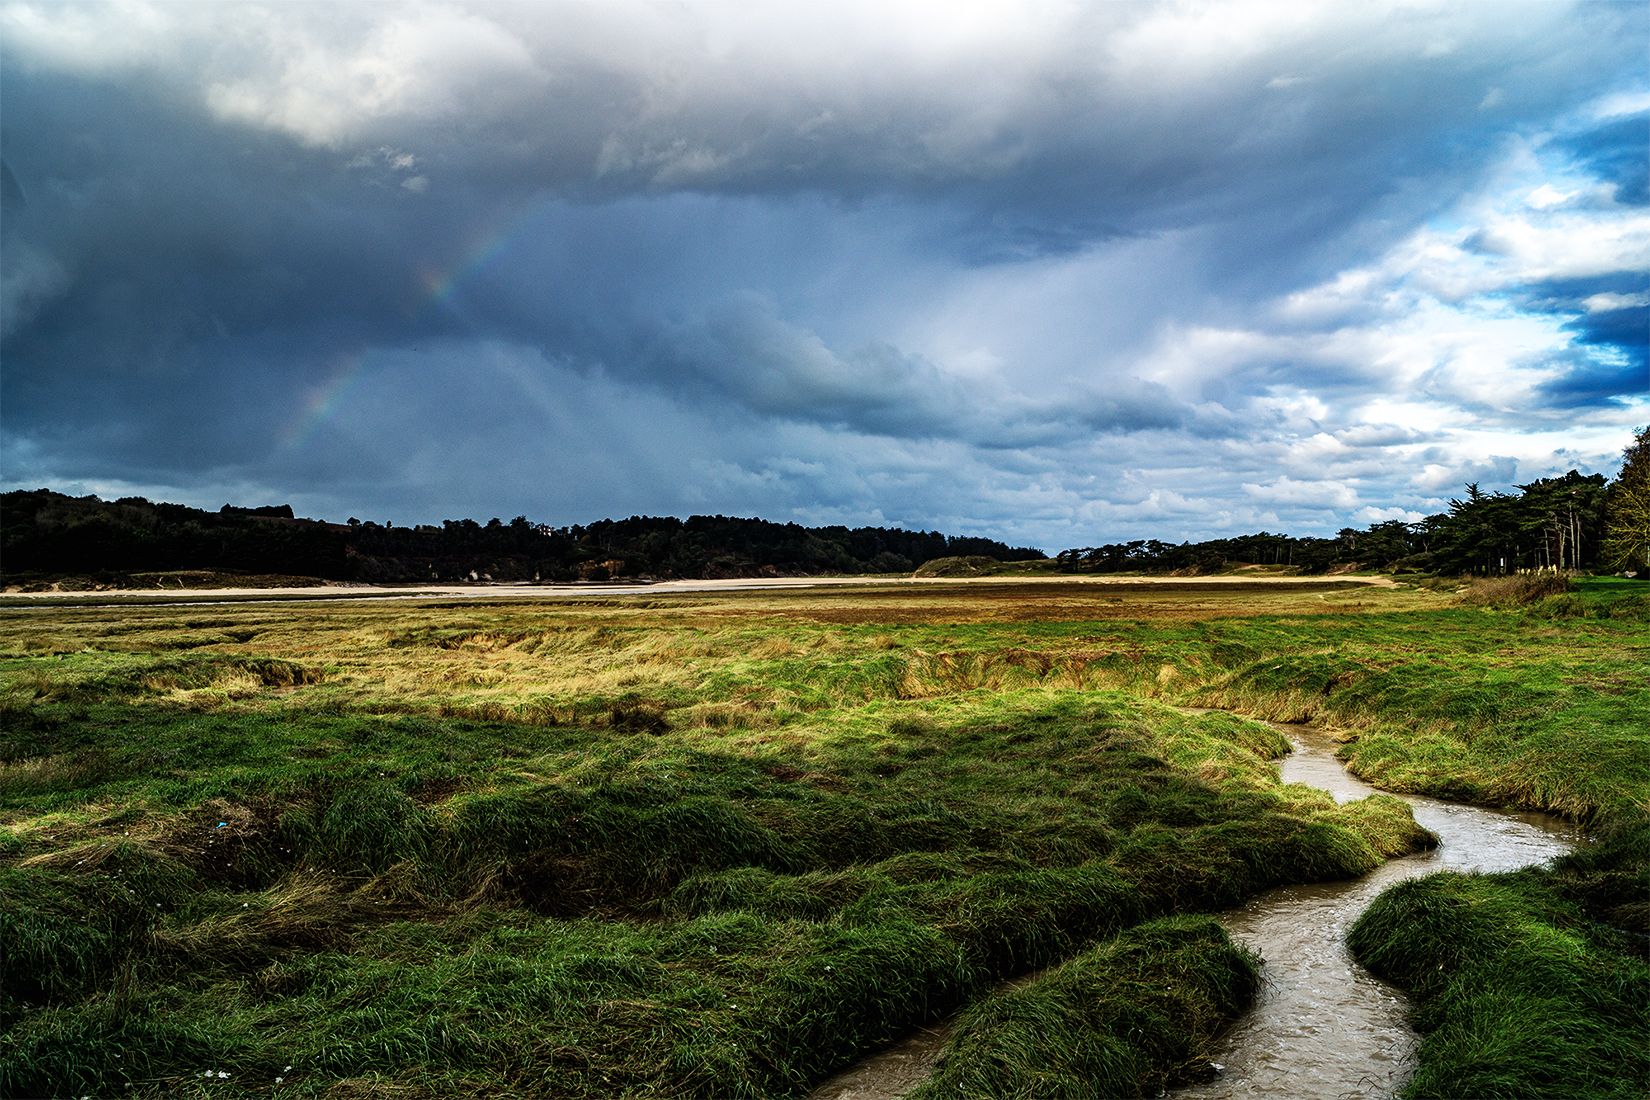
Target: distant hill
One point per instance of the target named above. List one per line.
(46, 534)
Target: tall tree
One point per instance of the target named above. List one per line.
(1561, 521)
(1627, 545)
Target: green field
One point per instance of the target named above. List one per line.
(723, 845)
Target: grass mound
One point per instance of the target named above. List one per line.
(967, 566)
(128, 680)
(1521, 990)
(1130, 1017)
(1490, 729)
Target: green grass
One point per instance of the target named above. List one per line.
(717, 846)
(1525, 983)
(919, 861)
(1129, 1017)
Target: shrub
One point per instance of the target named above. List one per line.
(1519, 590)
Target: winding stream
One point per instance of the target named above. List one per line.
(1322, 1027)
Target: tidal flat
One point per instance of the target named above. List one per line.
(724, 844)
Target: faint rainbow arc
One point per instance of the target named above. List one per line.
(484, 248)
(325, 400)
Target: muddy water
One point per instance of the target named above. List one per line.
(892, 1072)
(895, 1070)
(1322, 1027)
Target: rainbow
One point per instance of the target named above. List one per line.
(324, 401)
(484, 248)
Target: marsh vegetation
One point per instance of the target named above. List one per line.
(724, 845)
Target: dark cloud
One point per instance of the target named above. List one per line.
(12, 200)
(1617, 153)
(1609, 321)
(1595, 383)
(1624, 331)
(578, 260)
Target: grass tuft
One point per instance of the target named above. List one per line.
(1521, 990)
(1519, 590)
(1130, 1017)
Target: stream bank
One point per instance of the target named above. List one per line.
(1322, 1027)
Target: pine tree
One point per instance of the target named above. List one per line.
(1627, 545)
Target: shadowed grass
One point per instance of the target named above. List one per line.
(1130, 1017)
(1519, 991)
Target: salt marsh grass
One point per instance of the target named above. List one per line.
(719, 846)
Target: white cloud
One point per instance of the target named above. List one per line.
(1377, 435)
(90, 39)
(326, 84)
(1545, 196)
(1617, 104)
(1317, 494)
(694, 93)
(1371, 516)
(1601, 303)
(1567, 246)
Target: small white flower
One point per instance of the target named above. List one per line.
(221, 1073)
(287, 1070)
(278, 1080)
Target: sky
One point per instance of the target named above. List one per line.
(1060, 274)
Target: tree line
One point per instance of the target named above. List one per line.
(1551, 523)
(1569, 523)
(45, 533)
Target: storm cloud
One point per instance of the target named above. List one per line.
(1059, 274)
